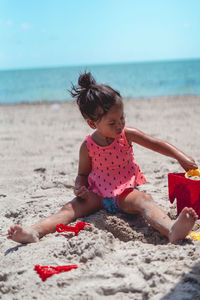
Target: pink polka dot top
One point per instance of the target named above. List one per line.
(114, 168)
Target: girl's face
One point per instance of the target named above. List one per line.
(112, 124)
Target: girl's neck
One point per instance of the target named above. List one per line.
(101, 140)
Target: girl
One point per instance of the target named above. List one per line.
(108, 174)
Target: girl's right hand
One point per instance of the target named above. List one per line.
(81, 192)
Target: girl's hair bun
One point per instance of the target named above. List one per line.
(94, 100)
(86, 80)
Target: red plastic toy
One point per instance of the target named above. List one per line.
(185, 190)
(47, 271)
(79, 226)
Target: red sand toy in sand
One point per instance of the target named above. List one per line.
(186, 189)
(47, 271)
(79, 226)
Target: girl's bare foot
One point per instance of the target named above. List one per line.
(21, 235)
(183, 224)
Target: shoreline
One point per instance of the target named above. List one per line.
(50, 102)
(120, 257)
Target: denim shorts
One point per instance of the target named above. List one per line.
(111, 204)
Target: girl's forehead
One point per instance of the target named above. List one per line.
(115, 111)
(116, 108)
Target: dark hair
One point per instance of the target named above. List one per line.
(94, 100)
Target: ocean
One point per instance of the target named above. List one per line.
(145, 79)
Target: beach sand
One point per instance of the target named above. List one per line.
(119, 256)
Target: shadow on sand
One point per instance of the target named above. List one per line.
(188, 287)
(13, 249)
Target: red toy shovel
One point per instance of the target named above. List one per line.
(79, 226)
(47, 271)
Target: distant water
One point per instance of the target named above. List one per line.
(148, 79)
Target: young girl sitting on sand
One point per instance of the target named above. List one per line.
(108, 175)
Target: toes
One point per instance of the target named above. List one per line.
(10, 231)
(13, 229)
(191, 210)
(192, 213)
(186, 210)
(17, 228)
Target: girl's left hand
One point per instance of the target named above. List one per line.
(81, 192)
(188, 163)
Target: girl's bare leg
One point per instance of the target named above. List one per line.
(139, 202)
(70, 212)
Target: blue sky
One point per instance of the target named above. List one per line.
(45, 33)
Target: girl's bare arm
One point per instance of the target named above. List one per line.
(165, 148)
(84, 169)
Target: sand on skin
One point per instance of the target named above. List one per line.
(119, 257)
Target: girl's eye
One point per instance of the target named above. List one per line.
(112, 124)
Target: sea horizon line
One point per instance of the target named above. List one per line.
(84, 65)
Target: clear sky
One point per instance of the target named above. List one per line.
(45, 33)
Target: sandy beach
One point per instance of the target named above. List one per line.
(119, 256)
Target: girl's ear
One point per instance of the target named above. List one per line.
(91, 124)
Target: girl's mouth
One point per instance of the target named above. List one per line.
(119, 132)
